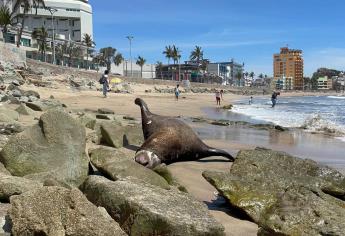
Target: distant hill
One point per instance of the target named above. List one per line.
(321, 72)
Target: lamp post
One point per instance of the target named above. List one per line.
(52, 11)
(130, 38)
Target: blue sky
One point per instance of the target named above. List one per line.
(249, 31)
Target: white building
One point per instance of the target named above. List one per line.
(124, 69)
(71, 19)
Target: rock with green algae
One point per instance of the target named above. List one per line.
(118, 166)
(54, 148)
(163, 171)
(271, 187)
(144, 210)
(227, 107)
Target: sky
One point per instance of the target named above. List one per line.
(248, 31)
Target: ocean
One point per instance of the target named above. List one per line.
(317, 114)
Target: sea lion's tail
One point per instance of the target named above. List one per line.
(219, 152)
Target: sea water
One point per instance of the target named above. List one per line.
(323, 114)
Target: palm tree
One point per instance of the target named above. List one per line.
(261, 76)
(89, 43)
(141, 62)
(246, 74)
(239, 77)
(118, 59)
(107, 56)
(168, 53)
(26, 5)
(5, 18)
(251, 75)
(176, 54)
(159, 66)
(41, 35)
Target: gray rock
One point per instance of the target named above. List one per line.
(105, 111)
(54, 148)
(103, 117)
(144, 209)
(88, 121)
(31, 93)
(3, 98)
(32, 99)
(59, 211)
(260, 180)
(11, 128)
(118, 136)
(23, 99)
(12, 185)
(119, 166)
(16, 93)
(44, 105)
(24, 110)
(8, 115)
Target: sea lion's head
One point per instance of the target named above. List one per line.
(147, 159)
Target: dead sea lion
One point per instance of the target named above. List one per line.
(170, 140)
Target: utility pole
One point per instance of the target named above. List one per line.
(130, 38)
(52, 11)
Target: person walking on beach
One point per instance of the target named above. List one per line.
(177, 92)
(221, 94)
(105, 82)
(251, 100)
(274, 98)
(218, 95)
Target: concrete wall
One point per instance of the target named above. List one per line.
(10, 53)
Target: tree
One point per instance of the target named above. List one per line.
(89, 43)
(246, 74)
(61, 50)
(41, 36)
(118, 59)
(176, 54)
(5, 18)
(251, 75)
(261, 76)
(26, 6)
(107, 56)
(239, 77)
(168, 52)
(141, 62)
(159, 66)
(197, 55)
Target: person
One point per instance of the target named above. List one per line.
(177, 92)
(221, 94)
(251, 100)
(218, 97)
(105, 82)
(274, 98)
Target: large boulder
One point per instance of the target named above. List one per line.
(119, 166)
(54, 148)
(12, 185)
(105, 111)
(143, 209)
(272, 186)
(118, 136)
(44, 105)
(59, 211)
(8, 115)
(24, 110)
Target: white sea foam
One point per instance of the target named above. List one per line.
(337, 97)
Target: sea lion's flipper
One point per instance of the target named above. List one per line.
(219, 152)
(143, 106)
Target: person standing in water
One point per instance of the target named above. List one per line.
(177, 92)
(274, 98)
(218, 95)
(251, 100)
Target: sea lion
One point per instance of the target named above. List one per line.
(170, 140)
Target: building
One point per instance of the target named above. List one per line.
(70, 20)
(288, 69)
(124, 69)
(324, 83)
(179, 72)
(229, 71)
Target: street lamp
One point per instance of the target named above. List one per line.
(130, 38)
(52, 11)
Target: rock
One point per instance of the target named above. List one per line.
(3, 98)
(54, 148)
(88, 121)
(11, 128)
(280, 128)
(32, 93)
(12, 185)
(128, 118)
(23, 99)
(32, 99)
(13, 100)
(24, 110)
(163, 171)
(59, 211)
(44, 105)
(105, 111)
(3, 170)
(119, 166)
(118, 136)
(103, 117)
(8, 115)
(260, 181)
(5, 221)
(144, 209)
(16, 93)
(227, 107)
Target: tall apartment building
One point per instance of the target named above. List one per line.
(288, 69)
(71, 20)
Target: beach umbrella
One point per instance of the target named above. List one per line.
(116, 80)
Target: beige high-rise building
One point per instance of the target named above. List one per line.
(288, 69)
